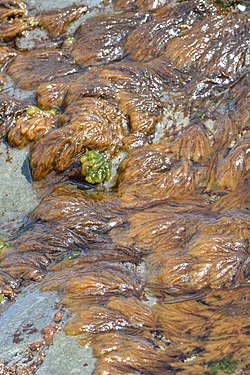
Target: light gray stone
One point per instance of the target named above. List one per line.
(17, 197)
(21, 325)
(50, 4)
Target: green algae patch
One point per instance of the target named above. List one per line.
(3, 245)
(95, 167)
(33, 111)
(69, 42)
(228, 4)
(226, 365)
(72, 255)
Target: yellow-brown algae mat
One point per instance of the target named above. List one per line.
(139, 139)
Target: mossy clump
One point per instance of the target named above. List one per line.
(33, 111)
(226, 365)
(95, 167)
(2, 246)
(228, 4)
(69, 42)
(74, 254)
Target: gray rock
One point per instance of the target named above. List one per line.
(50, 4)
(17, 197)
(66, 357)
(21, 325)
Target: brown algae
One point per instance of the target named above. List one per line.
(178, 204)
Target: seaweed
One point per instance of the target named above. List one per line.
(74, 254)
(226, 365)
(33, 110)
(228, 4)
(2, 246)
(154, 267)
(95, 167)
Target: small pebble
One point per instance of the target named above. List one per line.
(58, 317)
(242, 7)
(36, 346)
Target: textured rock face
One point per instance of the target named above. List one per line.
(17, 198)
(22, 337)
(138, 127)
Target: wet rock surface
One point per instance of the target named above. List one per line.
(136, 116)
(17, 198)
(23, 345)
